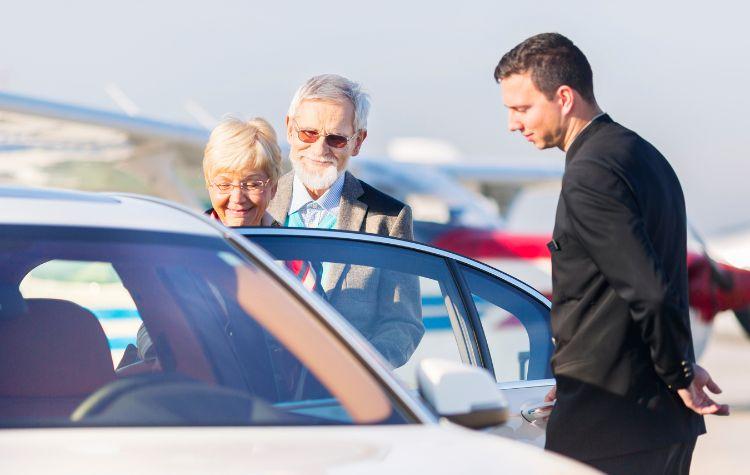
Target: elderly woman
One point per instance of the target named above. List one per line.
(241, 165)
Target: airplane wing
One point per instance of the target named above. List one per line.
(45, 143)
(501, 173)
(503, 182)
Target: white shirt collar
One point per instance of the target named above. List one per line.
(329, 201)
(584, 128)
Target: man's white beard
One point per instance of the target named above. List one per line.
(314, 181)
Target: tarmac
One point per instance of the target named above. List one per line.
(725, 448)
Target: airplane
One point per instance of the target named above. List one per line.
(46, 143)
(730, 245)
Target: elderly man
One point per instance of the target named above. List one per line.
(326, 126)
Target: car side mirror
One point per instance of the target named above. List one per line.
(463, 394)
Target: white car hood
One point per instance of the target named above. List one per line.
(331, 450)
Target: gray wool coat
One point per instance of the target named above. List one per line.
(384, 305)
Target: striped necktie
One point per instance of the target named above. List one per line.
(308, 273)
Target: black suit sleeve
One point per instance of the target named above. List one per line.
(608, 222)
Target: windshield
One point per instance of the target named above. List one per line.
(114, 327)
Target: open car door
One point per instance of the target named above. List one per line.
(413, 301)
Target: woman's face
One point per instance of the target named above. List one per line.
(236, 206)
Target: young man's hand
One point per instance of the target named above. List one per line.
(551, 395)
(696, 398)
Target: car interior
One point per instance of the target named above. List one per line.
(212, 363)
(33, 334)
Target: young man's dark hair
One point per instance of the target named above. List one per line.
(553, 61)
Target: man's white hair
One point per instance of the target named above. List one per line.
(336, 88)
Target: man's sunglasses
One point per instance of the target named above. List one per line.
(332, 140)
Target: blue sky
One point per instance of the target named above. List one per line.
(674, 72)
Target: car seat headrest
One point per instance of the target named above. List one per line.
(12, 303)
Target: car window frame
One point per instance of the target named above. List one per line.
(455, 303)
(550, 343)
(451, 258)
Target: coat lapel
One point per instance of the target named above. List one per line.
(352, 213)
(279, 206)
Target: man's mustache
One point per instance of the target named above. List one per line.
(331, 161)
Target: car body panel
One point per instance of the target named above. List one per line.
(521, 396)
(57, 207)
(442, 448)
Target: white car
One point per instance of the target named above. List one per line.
(137, 337)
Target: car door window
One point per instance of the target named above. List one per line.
(95, 286)
(403, 301)
(515, 325)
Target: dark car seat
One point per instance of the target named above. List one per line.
(53, 354)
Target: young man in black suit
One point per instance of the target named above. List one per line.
(629, 394)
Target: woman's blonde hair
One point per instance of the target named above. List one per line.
(237, 145)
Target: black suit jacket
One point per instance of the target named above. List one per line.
(619, 299)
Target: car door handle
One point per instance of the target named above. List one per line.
(535, 412)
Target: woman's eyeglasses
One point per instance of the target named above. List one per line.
(254, 186)
(332, 140)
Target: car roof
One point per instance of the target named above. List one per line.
(57, 207)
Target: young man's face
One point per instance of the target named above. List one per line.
(539, 119)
